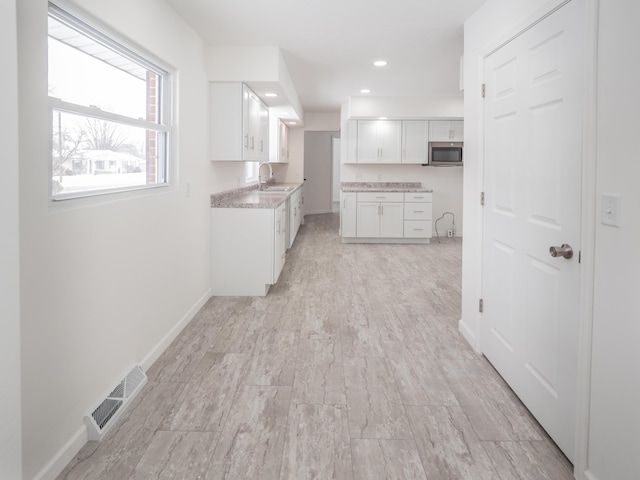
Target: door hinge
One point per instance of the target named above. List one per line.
(579, 256)
(482, 198)
(484, 90)
(481, 305)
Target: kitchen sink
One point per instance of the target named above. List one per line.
(275, 188)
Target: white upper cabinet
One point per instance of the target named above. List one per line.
(238, 124)
(379, 141)
(282, 155)
(352, 142)
(446, 131)
(415, 140)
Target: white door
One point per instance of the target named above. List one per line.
(532, 202)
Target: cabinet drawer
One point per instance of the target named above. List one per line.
(417, 229)
(380, 197)
(417, 211)
(418, 197)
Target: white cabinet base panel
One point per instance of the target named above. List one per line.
(384, 240)
(242, 251)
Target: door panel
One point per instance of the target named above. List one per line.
(533, 191)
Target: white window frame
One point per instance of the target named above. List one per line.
(94, 29)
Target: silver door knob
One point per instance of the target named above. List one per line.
(563, 251)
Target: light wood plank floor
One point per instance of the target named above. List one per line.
(351, 368)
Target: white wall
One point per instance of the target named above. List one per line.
(405, 107)
(614, 440)
(107, 283)
(10, 428)
(446, 182)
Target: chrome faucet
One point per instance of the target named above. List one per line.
(260, 182)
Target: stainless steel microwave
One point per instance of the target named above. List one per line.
(445, 154)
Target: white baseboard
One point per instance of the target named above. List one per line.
(57, 464)
(80, 438)
(468, 334)
(156, 351)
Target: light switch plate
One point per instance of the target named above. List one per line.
(610, 210)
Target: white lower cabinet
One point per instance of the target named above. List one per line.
(386, 216)
(348, 214)
(295, 215)
(379, 214)
(280, 249)
(247, 249)
(417, 215)
(379, 220)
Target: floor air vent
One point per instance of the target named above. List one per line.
(105, 415)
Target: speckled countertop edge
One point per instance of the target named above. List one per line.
(252, 197)
(383, 187)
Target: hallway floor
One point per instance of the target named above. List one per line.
(352, 367)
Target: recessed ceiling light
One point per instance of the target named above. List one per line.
(270, 94)
(293, 123)
(380, 63)
(365, 90)
(382, 118)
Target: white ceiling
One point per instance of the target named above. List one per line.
(329, 45)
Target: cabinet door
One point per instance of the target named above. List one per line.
(368, 219)
(295, 215)
(283, 142)
(352, 142)
(389, 141)
(368, 150)
(415, 139)
(280, 240)
(348, 214)
(457, 128)
(250, 109)
(446, 131)
(262, 132)
(256, 128)
(392, 220)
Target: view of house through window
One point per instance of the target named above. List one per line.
(109, 111)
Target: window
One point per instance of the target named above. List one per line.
(110, 111)
(250, 172)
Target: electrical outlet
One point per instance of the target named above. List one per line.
(610, 212)
(379, 177)
(358, 177)
(450, 233)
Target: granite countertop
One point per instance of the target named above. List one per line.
(252, 197)
(383, 187)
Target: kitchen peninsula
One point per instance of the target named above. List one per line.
(385, 212)
(251, 230)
